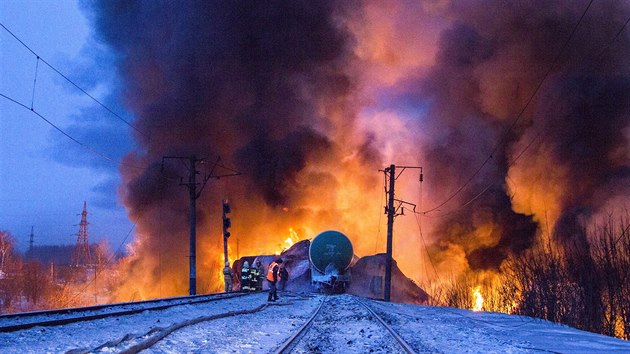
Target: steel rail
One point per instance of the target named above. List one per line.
(400, 341)
(78, 310)
(155, 336)
(284, 348)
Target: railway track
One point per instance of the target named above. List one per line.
(199, 334)
(248, 324)
(132, 344)
(330, 327)
(298, 323)
(21, 321)
(322, 331)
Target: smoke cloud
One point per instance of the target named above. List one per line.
(563, 158)
(268, 87)
(309, 99)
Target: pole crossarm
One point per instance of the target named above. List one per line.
(401, 204)
(403, 168)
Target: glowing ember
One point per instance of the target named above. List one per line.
(477, 299)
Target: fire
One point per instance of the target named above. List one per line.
(310, 163)
(477, 299)
(290, 241)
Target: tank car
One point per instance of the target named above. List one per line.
(330, 255)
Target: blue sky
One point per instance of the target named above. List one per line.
(45, 176)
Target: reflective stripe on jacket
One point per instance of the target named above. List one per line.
(245, 273)
(254, 273)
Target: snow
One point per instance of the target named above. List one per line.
(342, 326)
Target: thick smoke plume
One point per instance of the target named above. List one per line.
(308, 99)
(563, 157)
(268, 87)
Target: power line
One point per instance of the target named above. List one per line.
(34, 83)
(541, 132)
(425, 246)
(72, 82)
(83, 145)
(601, 54)
(518, 117)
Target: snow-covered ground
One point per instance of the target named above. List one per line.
(43, 316)
(426, 329)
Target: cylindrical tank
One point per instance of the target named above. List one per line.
(330, 249)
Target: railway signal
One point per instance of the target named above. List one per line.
(227, 223)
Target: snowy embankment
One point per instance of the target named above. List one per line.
(426, 329)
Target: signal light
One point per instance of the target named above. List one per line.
(227, 222)
(226, 207)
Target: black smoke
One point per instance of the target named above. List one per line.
(246, 81)
(489, 63)
(251, 82)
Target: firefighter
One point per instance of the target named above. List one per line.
(228, 275)
(261, 275)
(245, 277)
(272, 278)
(254, 278)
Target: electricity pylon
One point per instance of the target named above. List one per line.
(81, 255)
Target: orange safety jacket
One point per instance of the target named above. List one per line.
(270, 272)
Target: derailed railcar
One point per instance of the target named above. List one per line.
(330, 255)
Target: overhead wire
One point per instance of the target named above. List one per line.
(613, 40)
(85, 146)
(34, 111)
(73, 83)
(539, 136)
(519, 116)
(77, 141)
(34, 83)
(425, 246)
(67, 135)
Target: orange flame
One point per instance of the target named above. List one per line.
(477, 299)
(290, 241)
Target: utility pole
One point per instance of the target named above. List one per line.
(391, 210)
(193, 194)
(390, 231)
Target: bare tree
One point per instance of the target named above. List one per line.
(36, 283)
(611, 251)
(7, 243)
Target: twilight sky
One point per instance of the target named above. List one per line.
(45, 176)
